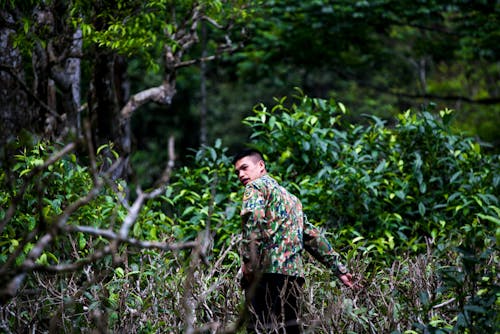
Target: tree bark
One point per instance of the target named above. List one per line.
(49, 104)
(14, 111)
(203, 86)
(109, 91)
(73, 69)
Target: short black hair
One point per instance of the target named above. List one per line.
(246, 153)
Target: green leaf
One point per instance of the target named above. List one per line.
(342, 107)
(42, 259)
(421, 209)
(119, 272)
(492, 219)
(474, 308)
(82, 242)
(137, 230)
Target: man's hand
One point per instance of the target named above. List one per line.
(246, 277)
(347, 280)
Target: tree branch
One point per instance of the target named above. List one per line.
(389, 91)
(482, 101)
(107, 250)
(162, 94)
(206, 59)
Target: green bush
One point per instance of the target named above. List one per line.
(412, 205)
(395, 186)
(39, 198)
(395, 191)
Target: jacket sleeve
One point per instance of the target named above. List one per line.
(320, 248)
(252, 217)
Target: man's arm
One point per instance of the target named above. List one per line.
(320, 248)
(252, 214)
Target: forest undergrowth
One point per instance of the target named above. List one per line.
(413, 208)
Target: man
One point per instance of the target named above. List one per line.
(275, 233)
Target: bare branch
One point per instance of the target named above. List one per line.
(162, 94)
(90, 146)
(389, 91)
(99, 254)
(444, 303)
(165, 176)
(37, 250)
(483, 101)
(134, 210)
(30, 262)
(206, 59)
(110, 235)
(212, 22)
(185, 37)
(188, 36)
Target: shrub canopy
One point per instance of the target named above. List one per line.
(382, 191)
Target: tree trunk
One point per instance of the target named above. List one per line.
(108, 93)
(15, 113)
(48, 106)
(203, 86)
(73, 68)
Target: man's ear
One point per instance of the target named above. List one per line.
(262, 165)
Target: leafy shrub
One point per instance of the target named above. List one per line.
(391, 192)
(412, 205)
(41, 197)
(394, 186)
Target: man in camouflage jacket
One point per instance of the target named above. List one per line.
(275, 233)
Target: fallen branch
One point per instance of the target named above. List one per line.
(444, 303)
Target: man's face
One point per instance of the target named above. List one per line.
(249, 168)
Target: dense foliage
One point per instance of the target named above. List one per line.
(107, 238)
(413, 207)
(402, 184)
(382, 56)
(192, 68)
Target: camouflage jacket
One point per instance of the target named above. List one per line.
(276, 231)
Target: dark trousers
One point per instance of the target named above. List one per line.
(275, 304)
